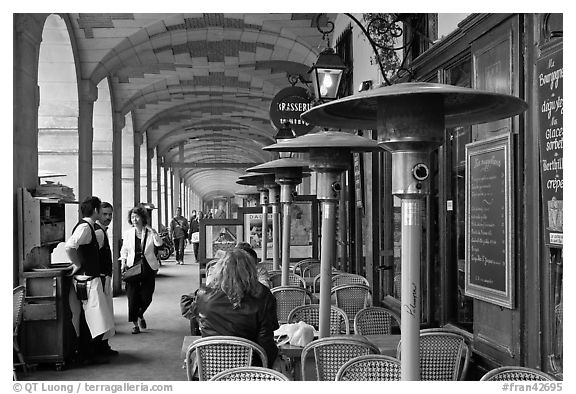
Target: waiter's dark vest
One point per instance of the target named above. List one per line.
(105, 254)
(89, 254)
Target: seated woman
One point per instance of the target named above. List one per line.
(233, 302)
(263, 275)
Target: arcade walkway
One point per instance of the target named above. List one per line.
(155, 353)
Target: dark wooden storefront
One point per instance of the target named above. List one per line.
(517, 321)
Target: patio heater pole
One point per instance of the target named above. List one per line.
(288, 174)
(411, 299)
(325, 182)
(264, 239)
(274, 197)
(411, 119)
(329, 157)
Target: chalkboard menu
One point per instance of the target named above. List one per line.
(550, 71)
(489, 235)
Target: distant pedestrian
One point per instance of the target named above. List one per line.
(195, 233)
(138, 248)
(179, 234)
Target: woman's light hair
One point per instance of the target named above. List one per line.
(235, 274)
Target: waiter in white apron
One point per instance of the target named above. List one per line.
(91, 315)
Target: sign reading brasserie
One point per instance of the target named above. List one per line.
(551, 114)
(288, 105)
(489, 270)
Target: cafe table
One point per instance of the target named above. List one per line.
(386, 344)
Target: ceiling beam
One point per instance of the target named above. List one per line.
(212, 165)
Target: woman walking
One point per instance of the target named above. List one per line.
(138, 248)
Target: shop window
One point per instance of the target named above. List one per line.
(459, 74)
(344, 50)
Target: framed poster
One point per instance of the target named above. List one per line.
(252, 217)
(219, 234)
(489, 233)
(551, 143)
(304, 224)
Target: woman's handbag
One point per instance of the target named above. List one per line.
(135, 272)
(195, 237)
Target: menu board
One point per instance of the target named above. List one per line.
(489, 236)
(551, 137)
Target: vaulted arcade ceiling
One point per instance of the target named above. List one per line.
(202, 80)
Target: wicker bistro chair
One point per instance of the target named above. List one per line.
(316, 285)
(351, 299)
(311, 270)
(373, 367)
(298, 268)
(18, 297)
(375, 320)
(218, 353)
(444, 355)
(332, 352)
(349, 279)
(293, 280)
(311, 314)
(249, 374)
(288, 298)
(509, 373)
(268, 265)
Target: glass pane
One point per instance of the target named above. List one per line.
(460, 75)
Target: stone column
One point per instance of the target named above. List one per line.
(27, 35)
(137, 142)
(159, 188)
(88, 94)
(173, 199)
(118, 123)
(166, 195)
(149, 157)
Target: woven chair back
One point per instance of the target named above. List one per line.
(293, 280)
(349, 279)
(332, 352)
(513, 373)
(251, 374)
(288, 298)
(302, 264)
(18, 296)
(351, 299)
(310, 314)
(373, 367)
(444, 355)
(375, 320)
(218, 353)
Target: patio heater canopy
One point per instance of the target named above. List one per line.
(247, 191)
(325, 140)
(461, 106)
(256, 179)
(279, 164)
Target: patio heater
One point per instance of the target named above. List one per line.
(410, 119)
(289, 174)
(329, 155)
(247, 195)
(259, 181)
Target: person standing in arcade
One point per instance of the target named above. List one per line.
(91, 315)
(179, 234)
(101, 229)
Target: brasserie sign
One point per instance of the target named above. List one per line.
(288, 105)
